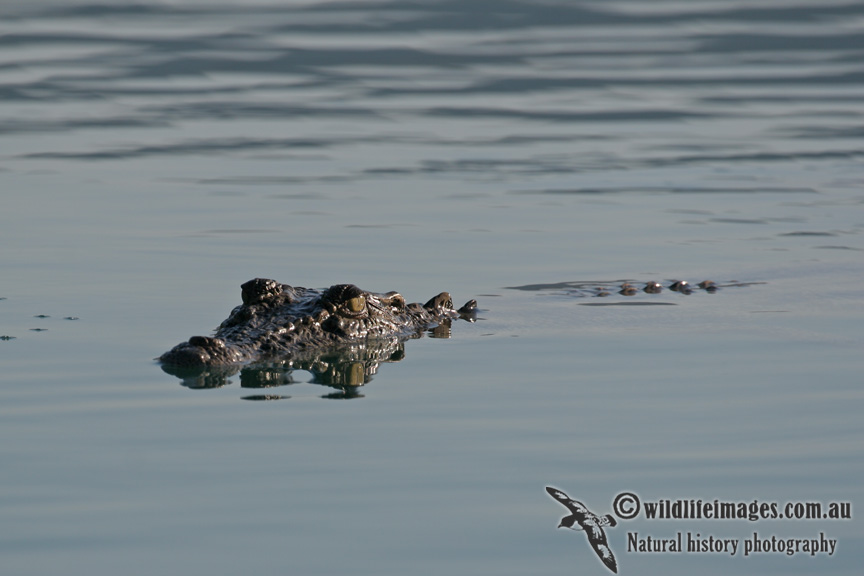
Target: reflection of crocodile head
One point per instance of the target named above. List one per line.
(344, 368)
(277, 321)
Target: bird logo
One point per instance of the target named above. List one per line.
(581, 518)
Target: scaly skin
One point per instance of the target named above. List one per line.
(278, 320)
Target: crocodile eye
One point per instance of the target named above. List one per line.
(357, 304)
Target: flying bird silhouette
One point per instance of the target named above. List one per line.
(590, 523)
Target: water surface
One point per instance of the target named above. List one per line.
(155, 156)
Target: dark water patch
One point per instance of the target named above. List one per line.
(689, 147)
(508, 14)
(555, 285)
(688, 211)
(516, 85)
(12, 93)
(816, 13)
(105, 10)
(805, 233)
(376, 226)
(781, 98)
(98, 87)
(311, 213)
(664, 190)
(297, 196)
(270, 180)
(194, 11)
(739, 220)
(166, 43)
(69, 124)
(397, 16)
(498, 166)
(450, 15)
(756, 157)
(189, 147)
(628, 303)
(745, 42)
(466, 195)
(309, 61)
(513, 85)
(134, 47)
(788, 219)
(511, 140)
(226, 193)
(825, 132)
(392, 171)
(574, 287)
(518, 140)
(85, 86)
(235, 110)
(232, 231)
(17, 40)
(566, 116)
(837, 248)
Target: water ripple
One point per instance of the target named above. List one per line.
(607, 87)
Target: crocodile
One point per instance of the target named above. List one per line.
(277, 321)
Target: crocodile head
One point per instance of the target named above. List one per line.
(280, 320)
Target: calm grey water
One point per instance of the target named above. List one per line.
(154, 156)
